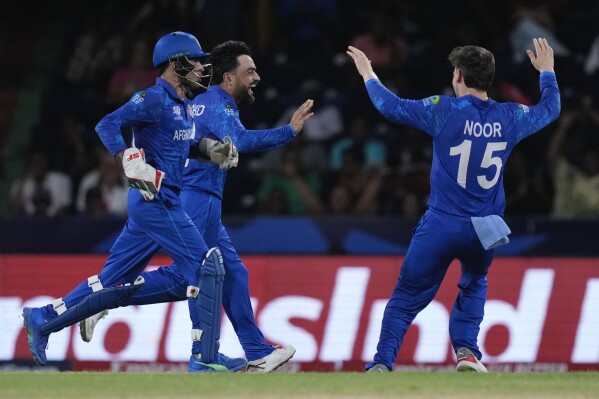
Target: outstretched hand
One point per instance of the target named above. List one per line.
(543, 60)
(362, 63)
(301, 115)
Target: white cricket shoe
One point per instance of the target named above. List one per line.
(273, 361)
(378, 368)
(86, 326)
(468, 362)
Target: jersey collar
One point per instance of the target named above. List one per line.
(170, 89)
(223, 93)
(478, 102)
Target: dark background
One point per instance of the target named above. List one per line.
(59, 59)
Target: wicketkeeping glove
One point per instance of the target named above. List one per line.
(222, 153)
(232, 156)
(140, 175)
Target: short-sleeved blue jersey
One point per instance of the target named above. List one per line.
(162, 125)
(472, 140)
(216, 115)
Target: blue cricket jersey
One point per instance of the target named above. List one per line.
(472, 140)
(216, 115)
(162, 125)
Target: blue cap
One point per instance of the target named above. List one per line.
(177, 44)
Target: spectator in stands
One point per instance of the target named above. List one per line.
(67, 141)
(412, 207)
(92, 59)
(308, 25)
(375, 153)
(385, 49)
(319, 130)
(109, 186)
(136, 75)
(290, 188)
(40, 191)
(591, 67)
(533, 19)
(591, 62)
(94, 204)
(527, 185)
(576, 183)
(355, 189)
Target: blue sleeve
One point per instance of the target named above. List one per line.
(529, 120)
(142, 109)
(225, 123)
(428, 115)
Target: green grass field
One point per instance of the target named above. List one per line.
(85, 385)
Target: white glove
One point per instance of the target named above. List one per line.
(140, 175)
(222, 153)
(232, 158)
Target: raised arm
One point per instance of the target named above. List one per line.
(301, 115)
(529, 120)
(362, 63)
(543, 59)
(428, 115)
(228, 124)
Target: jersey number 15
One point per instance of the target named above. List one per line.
(463, 150)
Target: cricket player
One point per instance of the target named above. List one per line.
(163, 128)
(472, 139)
(216, 116)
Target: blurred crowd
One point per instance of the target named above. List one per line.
(348, 160)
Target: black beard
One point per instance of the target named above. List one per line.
(249, 100)
(245, 98)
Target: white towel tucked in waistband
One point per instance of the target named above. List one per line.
(492, 231)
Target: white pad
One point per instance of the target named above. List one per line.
(192, 292)
(196, 335)
(94, 283)
(59, 306)
(139, 280)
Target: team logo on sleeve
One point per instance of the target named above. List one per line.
(229, 111)
(523, 107)
(433, 100)
(138, 97)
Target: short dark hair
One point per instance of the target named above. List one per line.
(477, 65)
(223, 58)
